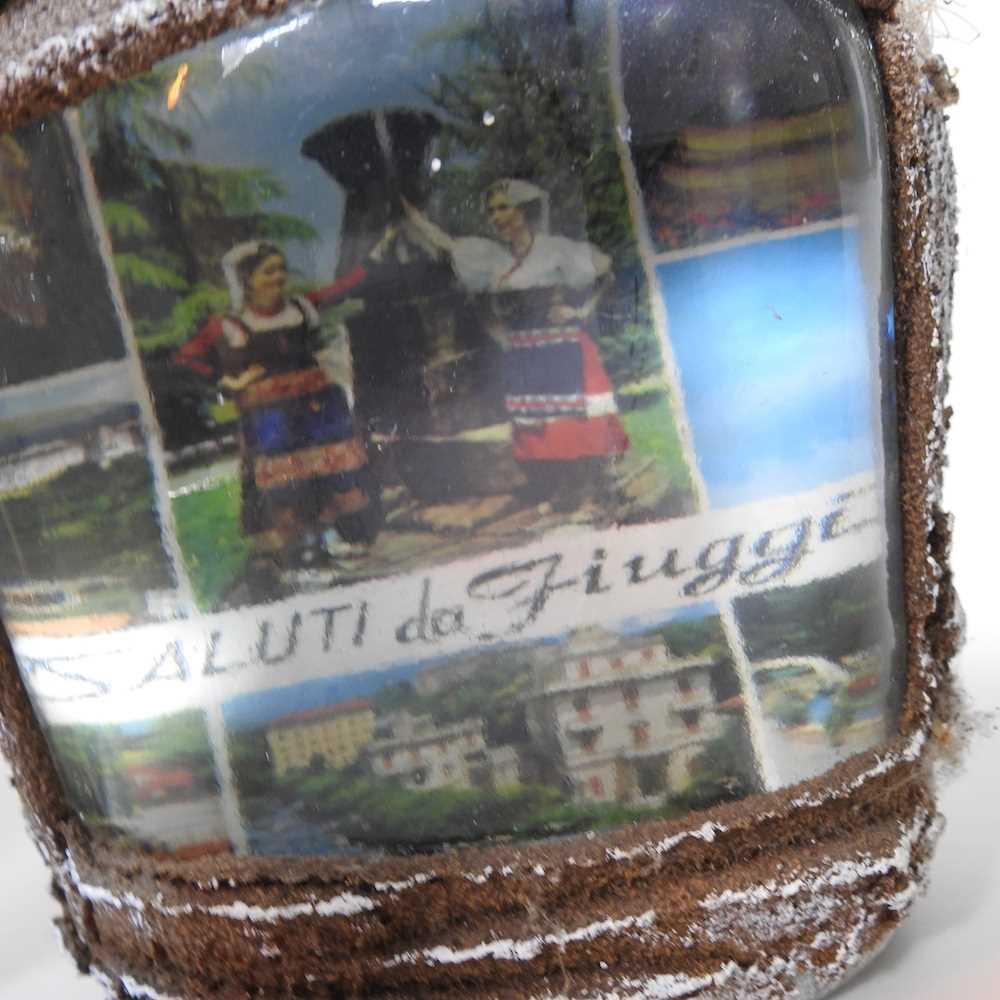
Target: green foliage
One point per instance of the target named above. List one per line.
(94, 759)
(249, 756)
(187, 315)
(721, 772)
(380, 811)
(791, 709)
(134, 105)
(135, 271)
(491, 693)
(172, 218)
(78, 756)
(833, 617)
(654, 439)
(630, 351)
(574, 817)
(208, 529)
(234, 190)
(280, 226)
(86, 522)
(696, 637)
(177, 737)
(125, 221)
(477, 695)
(850, 706)
(552, 123)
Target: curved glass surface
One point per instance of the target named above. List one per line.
(428, 422)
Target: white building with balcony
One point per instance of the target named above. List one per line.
(425, 755)
(624, 716)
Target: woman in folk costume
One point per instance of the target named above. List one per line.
(543, 290)
(304, 467)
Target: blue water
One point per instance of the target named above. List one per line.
(776, 364)
(821, 708)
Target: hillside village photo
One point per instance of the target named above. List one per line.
(518, 741)
(151, 782)
(824, 667)
(81, 550)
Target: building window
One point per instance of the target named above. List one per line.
(640, 734)
(684, 684)
(586, 737)
(596, 787)
(691, 720)
(630, 692)
(651, 776)
(583, 669)
(581, 702)
(618, 663)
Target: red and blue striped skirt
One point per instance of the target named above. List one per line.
(559, 397)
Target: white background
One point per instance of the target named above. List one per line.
(950, 946)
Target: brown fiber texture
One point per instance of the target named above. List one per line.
(776, 896)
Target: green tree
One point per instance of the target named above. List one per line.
(536, 104)
(721, 771)
(170, 218)
(86, 522)
(249, 756)
(77, 750)
(493, 693)
(832, 617)
(546, 97)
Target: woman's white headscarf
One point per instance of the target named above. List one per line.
(519, 193)
(231, 268)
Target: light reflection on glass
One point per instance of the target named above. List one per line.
(483, 429)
